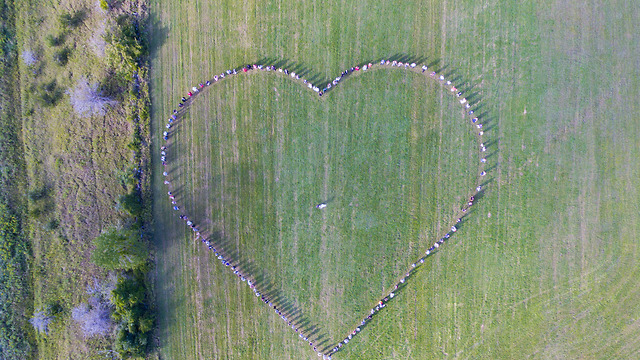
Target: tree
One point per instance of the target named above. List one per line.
(128, 43)
(131, 203)
(119, 250)
(87, 98)
(135, 320)
(102, 289)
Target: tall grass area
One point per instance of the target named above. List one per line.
(546, 266)
(85, 106)
(16, 337)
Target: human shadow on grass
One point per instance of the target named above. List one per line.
(481, 114)
(491, 143)
(473, 97)
(487, 124)
(351, 71)
(293, 314)
(312, 76)
(484, 185)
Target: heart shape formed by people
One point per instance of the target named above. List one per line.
(289, 194)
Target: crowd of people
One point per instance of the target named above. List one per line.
(236, 267)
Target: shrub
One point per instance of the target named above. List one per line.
(42, 192)
(29, 58)
(102, 289)
(131, 203)
(87, 99)
(48, 94)
(7, 41)
(119, 250)
(128, 42)
(41, 320)
(53, 224)
(93, 319)
(35, 213)
(134, 319)
(104, 5)
(114, 83)
(61, 56)
(14, 341)
(55, 40)
(71, 20)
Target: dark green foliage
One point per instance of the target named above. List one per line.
(48, 93)
(119, 250)
(136, 142)
(114, 83)
(55, 40)
(128, 42)
(7, 42)
(61, 56)
(128, 177)
(133, 317)
(131, 203)
(41, 202)
(13, 255)
(53, 224)
(70, 20)
(43, 192)
(15, 332)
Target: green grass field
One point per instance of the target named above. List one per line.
(545, 267)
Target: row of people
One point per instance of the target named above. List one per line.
(236, 268)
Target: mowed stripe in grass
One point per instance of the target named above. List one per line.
(552, 270)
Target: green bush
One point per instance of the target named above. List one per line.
(53, 224)
(133, 317)
(48, 94)
(7, 42)
(35, 213)
(128, 42)
(61, 56)
(71, 20)
(55, 40)
(144, 114)
(14, 251)
(44, 191)
(131, 203)
(114, 83)
(104, 5)
(120, 250)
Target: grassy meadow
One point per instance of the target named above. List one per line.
(76, 166)
(544, 267)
